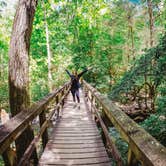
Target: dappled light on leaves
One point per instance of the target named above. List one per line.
(123, 41)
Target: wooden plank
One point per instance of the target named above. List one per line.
(71, 125)
(101, 164)
(75, 133)
(75, 156)
(77, 129)
(76, 138)
(74, 141)
(85, 161)
(77, 123)
(74, 146)
(73, 151)
(78, 120)
(76, 115)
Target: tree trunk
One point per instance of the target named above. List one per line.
(151, 22)
(151, 27)
(145, 82)
(76, 28)
(132, 42)
(1, 79)
(48, 53)
(131, 35)
(19, 68)
(1, 67)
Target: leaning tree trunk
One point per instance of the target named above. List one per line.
(19, 69)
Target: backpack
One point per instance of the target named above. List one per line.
(75, 82)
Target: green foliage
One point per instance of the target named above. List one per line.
(121, 145)
(110, 36)
(152, 63)
(6, 24)
(156, 126)
(161, 101)
(1, 161)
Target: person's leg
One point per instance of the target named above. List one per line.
(73, 94)
(78, 96)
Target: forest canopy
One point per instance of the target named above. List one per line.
(124, 41)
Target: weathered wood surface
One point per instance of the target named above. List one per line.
(145, 148)
(75, 139)
(13, 128)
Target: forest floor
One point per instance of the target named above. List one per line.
(135, 111)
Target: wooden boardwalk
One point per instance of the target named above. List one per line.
(75, 139)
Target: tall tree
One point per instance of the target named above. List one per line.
(151, 22)
(19, 68)
(130, 16)
(48, 51)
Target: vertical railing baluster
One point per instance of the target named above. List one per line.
(131, 159)
(62, 93)
(9, 157)
(86, 94)
(57, 102)
(42, 118)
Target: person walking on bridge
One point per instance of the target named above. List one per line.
(75, 84)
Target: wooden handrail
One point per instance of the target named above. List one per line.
(109, 143)
(142, 146)
(10, 131)
(114, 151)
(35, 141)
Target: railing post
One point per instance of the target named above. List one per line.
(42, 118)
(62, 93)
(107, 122)
(57, 101)
(9, 157)
(131, 160)
(93, 104)
(86, 94)
(90, 100)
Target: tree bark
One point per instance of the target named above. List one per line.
(151, 27)
(1, 67)
(19, 68)
(145, 82)
(1, 79)
(151, 22)
(130, 34)
(48, 53)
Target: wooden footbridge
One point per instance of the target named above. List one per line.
(69, 134)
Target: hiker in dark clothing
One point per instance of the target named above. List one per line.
(75, 85)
